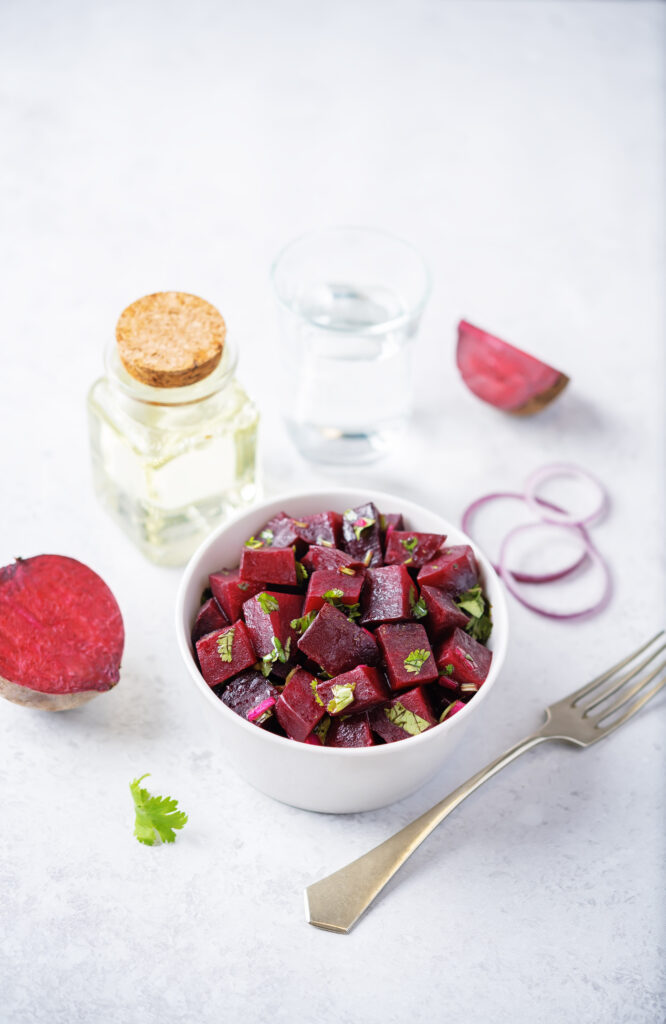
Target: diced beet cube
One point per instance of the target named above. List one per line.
(225, 653)
(470, 659)
(407, 653)
(454, 569)
(355, 691)
(209, 618)
(452, 709)
(272, 565)
(250, 696)
(319, 557)
(390, 521)
(320, 527)
(299, 706)
(361, 537)
(333, 586)
(269, 615)
(231, 592)
(337, 644)
(448, 683)
(408, 714)
(404, 547)
(280, 532)
(443, 613)
(350, 732)
(386, 597)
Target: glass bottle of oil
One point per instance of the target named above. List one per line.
(173, 435)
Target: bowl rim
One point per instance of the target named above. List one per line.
(380, 750)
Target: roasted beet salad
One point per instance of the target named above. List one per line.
(345, 630)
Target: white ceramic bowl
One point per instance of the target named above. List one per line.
(323, 778)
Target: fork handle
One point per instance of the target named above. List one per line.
(337, 901)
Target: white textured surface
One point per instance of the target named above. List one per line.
(520, 146)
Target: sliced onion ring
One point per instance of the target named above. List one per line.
(557, 516)
(524, 577)
(591, 552)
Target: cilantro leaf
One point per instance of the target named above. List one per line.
(405, 719)
(252, 542)
(156, 816)
(448, 670)
(346, 570)
(279, 653)
(343, 695)
(313, 685)
(415, 660)
(419, 610)
(475, 604)
(267, 537)
(333, 595)
(300, 625)
(225, 644)
(301, 573)
(409, 544)
(268, 602)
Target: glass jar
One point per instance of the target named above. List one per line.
(170, 463)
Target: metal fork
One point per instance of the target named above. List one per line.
(337, 901)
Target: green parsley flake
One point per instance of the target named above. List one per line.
(333, 595)
(268, 602)
(254, 543)
(321, 729)
(225, 643)
(479, 609)
(409, 544)
(419, 610)
(448, 670)
(343, 695)
(279, 653)
(405, 719)
(301, 573)
(346, 570)
(300, 625)
(415, 660)
(156, 816)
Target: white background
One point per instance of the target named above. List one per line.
(520, 146)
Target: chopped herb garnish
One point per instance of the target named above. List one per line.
(321, 729)
(346, 570)
(409, 544)
(324, 543)
(243, 585)
(301, 573)
(405, 719)
(468, 688)
(382, 522)
(293, 672)
(267, 536)
(300, 625)
(368, 557)
(419, 610)
(313, 684)
(360, 525)
(448, 670)
(279, 653)
(156, 816)
(225, 644)
(333, 595)
(415, 660)
(254, 543)
(268, 602)
(445, 712)
(469, 658)
(343, 695)
(299, 522)
(478, 608)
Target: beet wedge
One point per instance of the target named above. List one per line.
(61, 633)
(505, 376)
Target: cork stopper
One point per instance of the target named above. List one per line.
(170, 339)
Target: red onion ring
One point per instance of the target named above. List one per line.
(562, 518)
(591, 552)
(524, 577)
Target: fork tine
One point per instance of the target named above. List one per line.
(626, 678)
(630, 712)
(628, 694)
(584, 690)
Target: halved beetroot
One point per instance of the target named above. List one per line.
(61, 633)
(504, 376)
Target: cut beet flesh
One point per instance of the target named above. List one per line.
(470, 659)
(270, 565)
(319, 557)
(337, 644)
(61, 633)
(250, 696)
(443, 613)
(413, 549)
(299, 707)
(321, 528)
(269, 614)
(355, 691)
(505, 376)
(408, 714)
(407, 653)
(340, 588)
(454, 570)
(225, 653)
(361, 536)
(386, 597)
(390, 521)
(279, 532)
(209, 618)
(231, 592)
(350, 732)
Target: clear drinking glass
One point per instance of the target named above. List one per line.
(350, 300)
